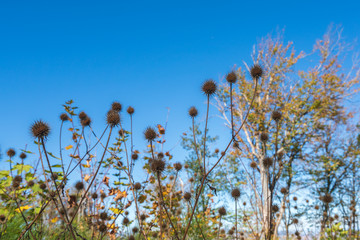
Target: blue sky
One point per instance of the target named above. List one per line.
(152, 55)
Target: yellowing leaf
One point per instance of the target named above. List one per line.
(116, 210)
(69, 147)
(23, 208)
(54, 219)
(87, 177)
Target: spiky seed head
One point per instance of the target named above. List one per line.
(79, 185)
(275, 208)
(158, 165)
(2, 218)
(85, 122)
(150, 134)
(283, 190)
(103, 216)
(231, 77)
(297, 232)
(187, 196)
(18, 178)
(177, 166)
(103, 195)
(253, 164)
(193, 112)
(264, 137)
(137, 186)
(113, 118)
(23, 155)
(102, 227)
(235, 193)
(15, 184)
(55, 176)
(267, 162)
(30, 183)
(135, 230)
(186, 166)
(231, 232)
(142, 217)
(295, 198)
(256, 71)
(52, 194)
(64, 117)
(134, 156)
(83, 115)
(160, 155)
(94, 195)
(209, 87)
(326, 198)
(125, 221)
(295, 220)
(276, 115)
(43, 186)
(222, 211)
(10, 152)
(116, 106)
(40, 129)
(131, 237)
(192, 180)
(130, 110)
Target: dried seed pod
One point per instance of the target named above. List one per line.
(235, 193)
(116, 106)
(231, 77)
(193, 112)
(256, 71)
(150, 134)
(209, 87)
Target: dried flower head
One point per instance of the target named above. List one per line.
(125, 221)
(103, 216)
(209, 87)
(113, 118)
(256, 71)
(85, 122)
(283, 190)
(2, 218)
(121, 132)
(187, 196)
(64, 117)
(103, 195)
(142, 217)
(131, 237)
(193, 112)
(42, 186)
(222, 211)
(83, 115)
(130, 110)
(264, 137)
(40, 129)
(116, 106)
(54, 176)
(134, 156)
(267, 162)
(253, 164)
(102, 227)
(231, 77)
(18, 178)
(135, 230)
(157, 165)
(177, 166)
(79, 186)
(275, 208)
(295, 198)
(15, 184)
(30, 183)
(235, 193)
(150, 134)
(94, 195)
(137, 186)
(160, 155)
(23, 155)
(326, 198)
(276, 115)
(10, 152)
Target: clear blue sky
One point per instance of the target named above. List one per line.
(148, 54)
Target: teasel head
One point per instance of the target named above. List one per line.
(103, 195)
(113, 118)
(54, 176)
(135, 230)
(253, 165)
(267, 162)
(85, 122)
(222, 211)
(42, 186)
(116, 106)
(131, 237)
(142, 217)
(94, 195)
(125, 221)
(130, 110)
(231, 77)
(79, 185)
(284, 190)
(256, 71)
(134, 156)
(30, 183)
(23, 155)
(103, 216)
(64, 117)
(82, 115)
(15, 184)
(18, 179)
(276, 115)
(157, 166)
(326, 198)
(264, 137)
(235, 193)
(193, 112)
(137, 186)
(275, 208)
(150, 134)
(178, 166)
(102, 227)
(209, 87)
(2, 218)
(160, 155)
(40, 129)
(187, 196)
